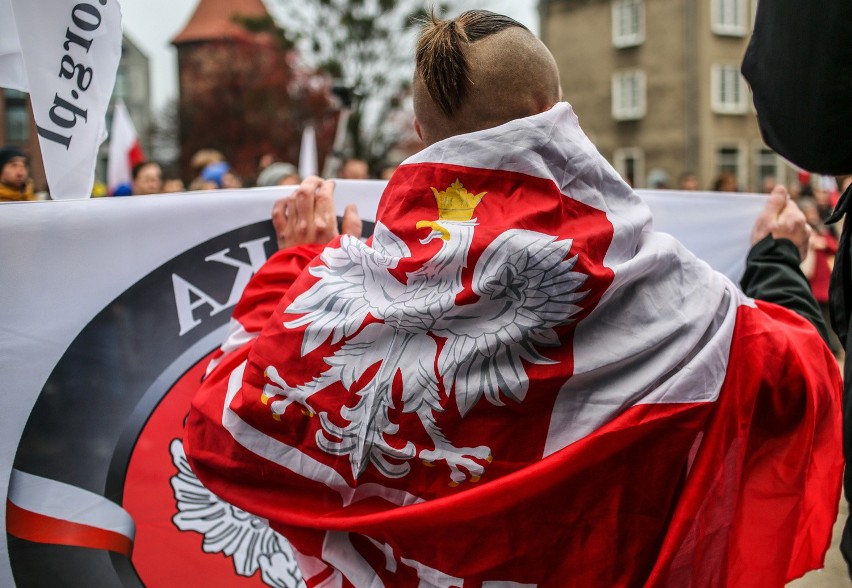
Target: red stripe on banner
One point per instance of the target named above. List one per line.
(38, 528)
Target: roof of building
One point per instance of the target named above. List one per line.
(213, 20)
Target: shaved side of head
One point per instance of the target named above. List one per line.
(479, 71)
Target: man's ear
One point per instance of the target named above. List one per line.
(417, 128)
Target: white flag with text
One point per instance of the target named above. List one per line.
(70, 50)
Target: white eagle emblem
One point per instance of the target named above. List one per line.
(245, 538)
(525, 288)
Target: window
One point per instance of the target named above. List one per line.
(17, 117)
(628, 23)
(630, 163)
(729, 17)
(628, 95)
(120, 90)
(767, 164)
(729, 162)
(729, 90)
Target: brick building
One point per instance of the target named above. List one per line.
(241, 90)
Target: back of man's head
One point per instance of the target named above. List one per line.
(479, 71)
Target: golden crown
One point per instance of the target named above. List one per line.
(456, 203)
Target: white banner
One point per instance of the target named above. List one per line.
(108, 310)
(71, 50)
(11, 62)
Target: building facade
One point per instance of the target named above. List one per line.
(656, 86)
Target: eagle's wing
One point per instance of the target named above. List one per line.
(526, 287)
(354, 281)
(246, 539)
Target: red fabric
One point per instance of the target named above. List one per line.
(136, 155)
(39, 528)
(738, 492)
(822, 267)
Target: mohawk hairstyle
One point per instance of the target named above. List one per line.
(441, 61)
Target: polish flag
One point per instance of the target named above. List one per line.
(518, 382)
(124, 149)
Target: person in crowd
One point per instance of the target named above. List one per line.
(802, 93)
(214, 173)
(354, 169)
(15, 183)
(725, 182)
(231, 181)
(516, 381)
(205, 159)
(147, 178)
(173, 185)
(768, 184)
(279, 174)
(388, 170)
(819, 262)
(658, 179)
(688, 181)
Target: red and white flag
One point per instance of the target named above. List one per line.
(125, 150)
(517, 382)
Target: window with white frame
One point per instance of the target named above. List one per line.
(729, 17)
(767, 164)
(729, 90)
(630, 163)
(628, 23)
(730, 161)
(628, 95)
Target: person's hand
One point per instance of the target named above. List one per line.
(307, 215)
(783, 220)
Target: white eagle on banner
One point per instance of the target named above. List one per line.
(231, 531)
(525, 288)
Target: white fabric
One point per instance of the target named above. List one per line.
(12, 73)
(662, 331)
(308, 153)
(122, 139)
(69, 110)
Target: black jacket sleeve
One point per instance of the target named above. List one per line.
(773, 275)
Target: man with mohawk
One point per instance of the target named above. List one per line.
(516, 382)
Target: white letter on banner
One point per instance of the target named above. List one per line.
(70, 51)
(184, 291)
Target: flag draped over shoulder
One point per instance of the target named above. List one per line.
(518, 381)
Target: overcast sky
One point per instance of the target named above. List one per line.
(151, 24)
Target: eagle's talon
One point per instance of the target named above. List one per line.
(264, 398)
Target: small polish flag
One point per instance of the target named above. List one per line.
(124, 149)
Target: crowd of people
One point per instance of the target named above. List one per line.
(210, 169)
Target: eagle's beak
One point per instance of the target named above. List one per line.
(445, 234)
